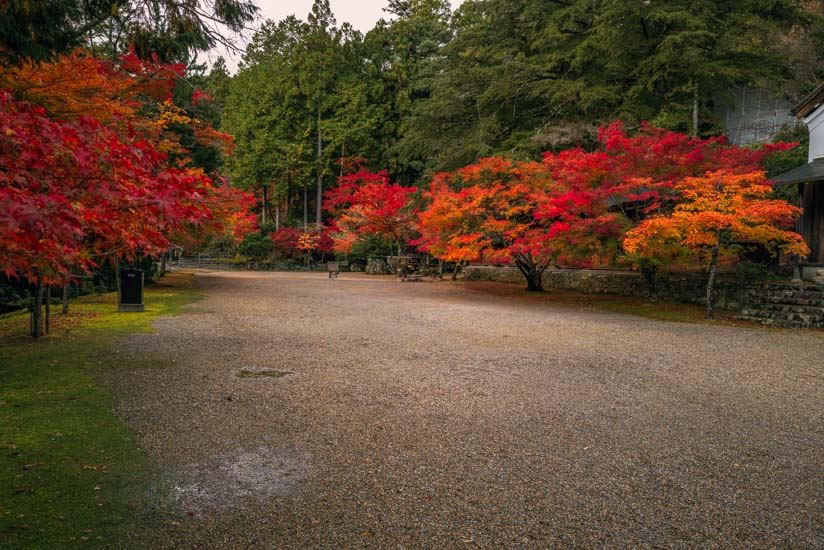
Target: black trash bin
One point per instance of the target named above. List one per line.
(131, 290)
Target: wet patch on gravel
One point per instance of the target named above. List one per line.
(223, 482)
(261, 373)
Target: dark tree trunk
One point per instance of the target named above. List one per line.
(48, 309)
(320, 175)
(455, 271)
(265, 200)
(711, 281)
(277, 213)
(65, 309)
(267, 205)
(37, 311)
(534, 281)
(163, 262)
(305, 208)
(695, 112)
(531, 272)
(288, 194)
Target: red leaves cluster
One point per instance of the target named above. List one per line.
(369, 204)
(72, 193)
(83, 172)
(575, 207)
(290, 242)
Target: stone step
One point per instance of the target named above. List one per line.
(789, 290)
(783, 319)
(791, 287)
(789, 308)
(786, 321)
(801, 299)
(794, 301)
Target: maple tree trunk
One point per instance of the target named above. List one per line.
(48, 308)
(534, 281)
(277, 213)
(37, 310)
(711, 281)
(530, 271)
(65, 309)
(455, 271)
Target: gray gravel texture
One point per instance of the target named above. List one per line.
(422, 415)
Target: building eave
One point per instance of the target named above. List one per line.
(812, 172)
(810, 103)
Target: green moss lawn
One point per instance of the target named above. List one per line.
(71, 472)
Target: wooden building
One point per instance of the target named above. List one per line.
(810, 181)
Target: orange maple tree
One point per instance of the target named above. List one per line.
(718, 216)
(487, 212)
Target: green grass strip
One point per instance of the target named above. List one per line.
(71, 472)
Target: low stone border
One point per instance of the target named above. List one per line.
(683, 287)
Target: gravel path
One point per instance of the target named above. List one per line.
(375, 414)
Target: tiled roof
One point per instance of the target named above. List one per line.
(810, 172)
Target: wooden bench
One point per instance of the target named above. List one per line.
(334, 269)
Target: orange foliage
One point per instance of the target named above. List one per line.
(719, 211)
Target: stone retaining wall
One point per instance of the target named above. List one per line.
(683, 287)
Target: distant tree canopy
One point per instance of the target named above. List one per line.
(427, 90)
(522, 76)
(311, 94)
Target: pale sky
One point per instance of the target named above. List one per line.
(361, 14)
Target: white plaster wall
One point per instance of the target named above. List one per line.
(815, 123)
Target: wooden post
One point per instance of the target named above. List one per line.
(799, 226)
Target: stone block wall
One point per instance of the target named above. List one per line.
(682, 287)
(376, 266)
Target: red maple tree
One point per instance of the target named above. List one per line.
(92, 171)
(367, 203)
(574, 208)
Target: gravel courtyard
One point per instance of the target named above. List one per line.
(298, 411)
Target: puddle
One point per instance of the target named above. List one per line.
(196, 488)
(262, 373)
